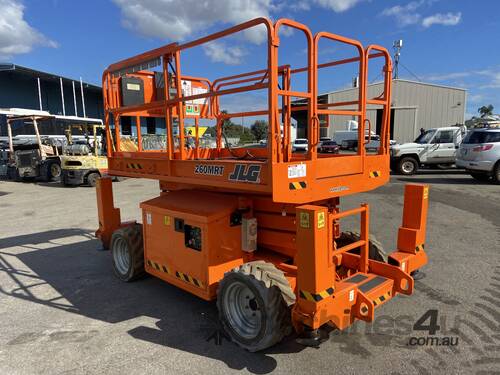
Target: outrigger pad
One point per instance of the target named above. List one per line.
(313, 337)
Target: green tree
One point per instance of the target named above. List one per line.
(259, 129)
(486, 110)
(211, 131)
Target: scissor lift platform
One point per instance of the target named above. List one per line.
(257, 228)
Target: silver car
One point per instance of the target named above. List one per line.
(479, 154)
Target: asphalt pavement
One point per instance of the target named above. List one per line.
(63, 311)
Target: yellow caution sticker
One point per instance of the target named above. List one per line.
(166, 220)
(321, 220)
(304, 220)
(426, 192)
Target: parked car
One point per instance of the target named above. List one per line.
(434, 147)
(300, 144)
(479, 154)
(329, 147)
(372, 144)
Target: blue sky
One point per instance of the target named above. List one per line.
(451, 42)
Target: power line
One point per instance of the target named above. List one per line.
(409, 71)
(377, 77)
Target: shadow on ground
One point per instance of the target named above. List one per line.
(85, 284)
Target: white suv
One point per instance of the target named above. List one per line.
(479, 154)
(300, 144)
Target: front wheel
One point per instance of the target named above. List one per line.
(407, 166)
(127, 250)
(496, 173)
(253, 302)
(92, 178)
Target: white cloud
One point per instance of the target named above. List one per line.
(338, 6)
(475, 98)
(220, 52)
(405, 14)
(300, 6)
(409, 15)
(448, 76)
(179, 19)
(483, 79)
(494, 81)
(16, 35)
(448, 19)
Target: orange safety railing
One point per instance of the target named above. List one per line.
(274, 79)
(362, 244)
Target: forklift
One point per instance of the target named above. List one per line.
(257, 229)
(31, 155)
(84, 159)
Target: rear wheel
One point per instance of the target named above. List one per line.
(55, 170)
(253, 302)
(496, 173)
(407, 166)
(50, 170)
(92, 178)
(128, 252)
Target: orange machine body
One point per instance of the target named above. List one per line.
(219, 207)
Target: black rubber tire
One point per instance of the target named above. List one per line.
(46, 173)
(375, 250)
(407, 159)
(496, 173)
(55, 170)
(480, 176)
(92, 178)
(132, 235)
(274, 297)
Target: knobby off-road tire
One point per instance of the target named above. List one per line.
(254, 305)
(127, 251)
(375, 248)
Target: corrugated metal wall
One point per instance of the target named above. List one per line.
(416, 105)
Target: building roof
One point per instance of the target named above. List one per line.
(42, 75)
(24, 113)
(398, 80)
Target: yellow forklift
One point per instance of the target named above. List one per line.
(84, 158)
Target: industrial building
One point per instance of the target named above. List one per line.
(415, 105)
(22, 87)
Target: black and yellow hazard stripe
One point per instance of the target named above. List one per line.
(382, 298)
(419, 248)
(181, 276)
(375, 174)
(159, 267)
(316, 297)
(134, 166)
(297, 185)
(188, 279)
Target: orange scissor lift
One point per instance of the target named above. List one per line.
(258, 229)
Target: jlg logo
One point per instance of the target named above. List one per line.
(245, 173)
